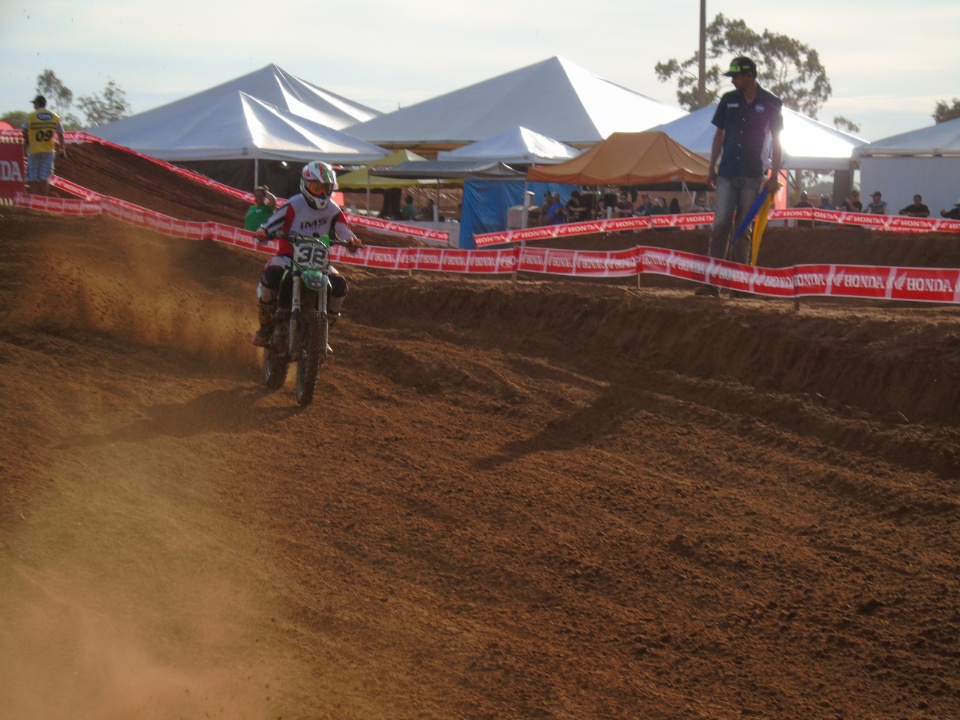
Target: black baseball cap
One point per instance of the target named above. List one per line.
(40, 100)
(741, 65)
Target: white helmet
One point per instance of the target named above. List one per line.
(317, 181)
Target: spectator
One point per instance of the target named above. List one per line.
(610, 202)
(674, 206)
(409, 211)
(265, 203)
(574, 208)
(917, 209)
(428, 212)
(876, 206)
(745, 117)
(825, 204)
(624, 207)
(646, 206)
(852, 202)
(804, 203)
(553, 209)
(41, 130)
(953, 213)
(700, 204)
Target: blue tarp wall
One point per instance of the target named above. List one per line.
(486, 202)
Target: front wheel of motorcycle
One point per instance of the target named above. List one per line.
(274, 369)
(313, 351)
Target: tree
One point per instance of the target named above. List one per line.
(841, 123)
(111, 106)
(58, 95)
(944, 112)
(15, 118)
(786, 67)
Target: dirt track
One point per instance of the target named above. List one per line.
(531, 500)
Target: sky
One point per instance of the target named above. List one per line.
(889, 63)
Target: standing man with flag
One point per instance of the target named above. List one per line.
(41, 130)
(746, 118)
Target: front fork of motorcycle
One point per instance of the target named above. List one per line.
(295, 313)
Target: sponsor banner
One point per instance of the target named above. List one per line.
(74, 189)
(582, 263)
(555, 262)
(777, 282)
(731, 275)
(454, 260)
(674, 263)
(227, 234)
(881, 283)
(630, 223)
(885, 223)
(621, 263)
(926, 285)
(811, 280)
(791, 214)
(396, 228)
(825, 216)
(496, 261)
(533, 260)
(843, 281)
(13, 167)
(120, 210)
(384, 258)
(61, 206)
(514, 236)
(430, 259)
(578, 228)
(912, 224)
(664, 221)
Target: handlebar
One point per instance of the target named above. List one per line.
(264, 236)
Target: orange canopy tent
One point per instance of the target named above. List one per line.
(650, 159)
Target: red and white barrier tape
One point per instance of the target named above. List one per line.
(851, 281)
(885, 223)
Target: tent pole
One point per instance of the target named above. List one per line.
(256, 172)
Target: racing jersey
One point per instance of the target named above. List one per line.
(42, 127)
(746, 130)
(298, 217)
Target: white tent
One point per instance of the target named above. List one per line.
(516, 146)
(270, 84)
(238, 126)
(807, 144)
(922, 162)
(267, 115)
(555, 98)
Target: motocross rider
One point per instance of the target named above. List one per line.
(310, 213)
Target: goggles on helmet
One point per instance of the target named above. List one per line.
(317, 188)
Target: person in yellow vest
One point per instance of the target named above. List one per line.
(41, 130)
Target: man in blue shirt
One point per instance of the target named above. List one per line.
(746, 118)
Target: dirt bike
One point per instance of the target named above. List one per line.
(301, 324)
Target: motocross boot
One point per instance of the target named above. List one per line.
(265, 316)
(333, 308)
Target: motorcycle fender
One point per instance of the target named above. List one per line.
(315, 280)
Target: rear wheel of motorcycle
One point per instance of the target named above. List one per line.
(274, 369)
(313, 332)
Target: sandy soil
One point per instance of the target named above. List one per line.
(538, 499)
